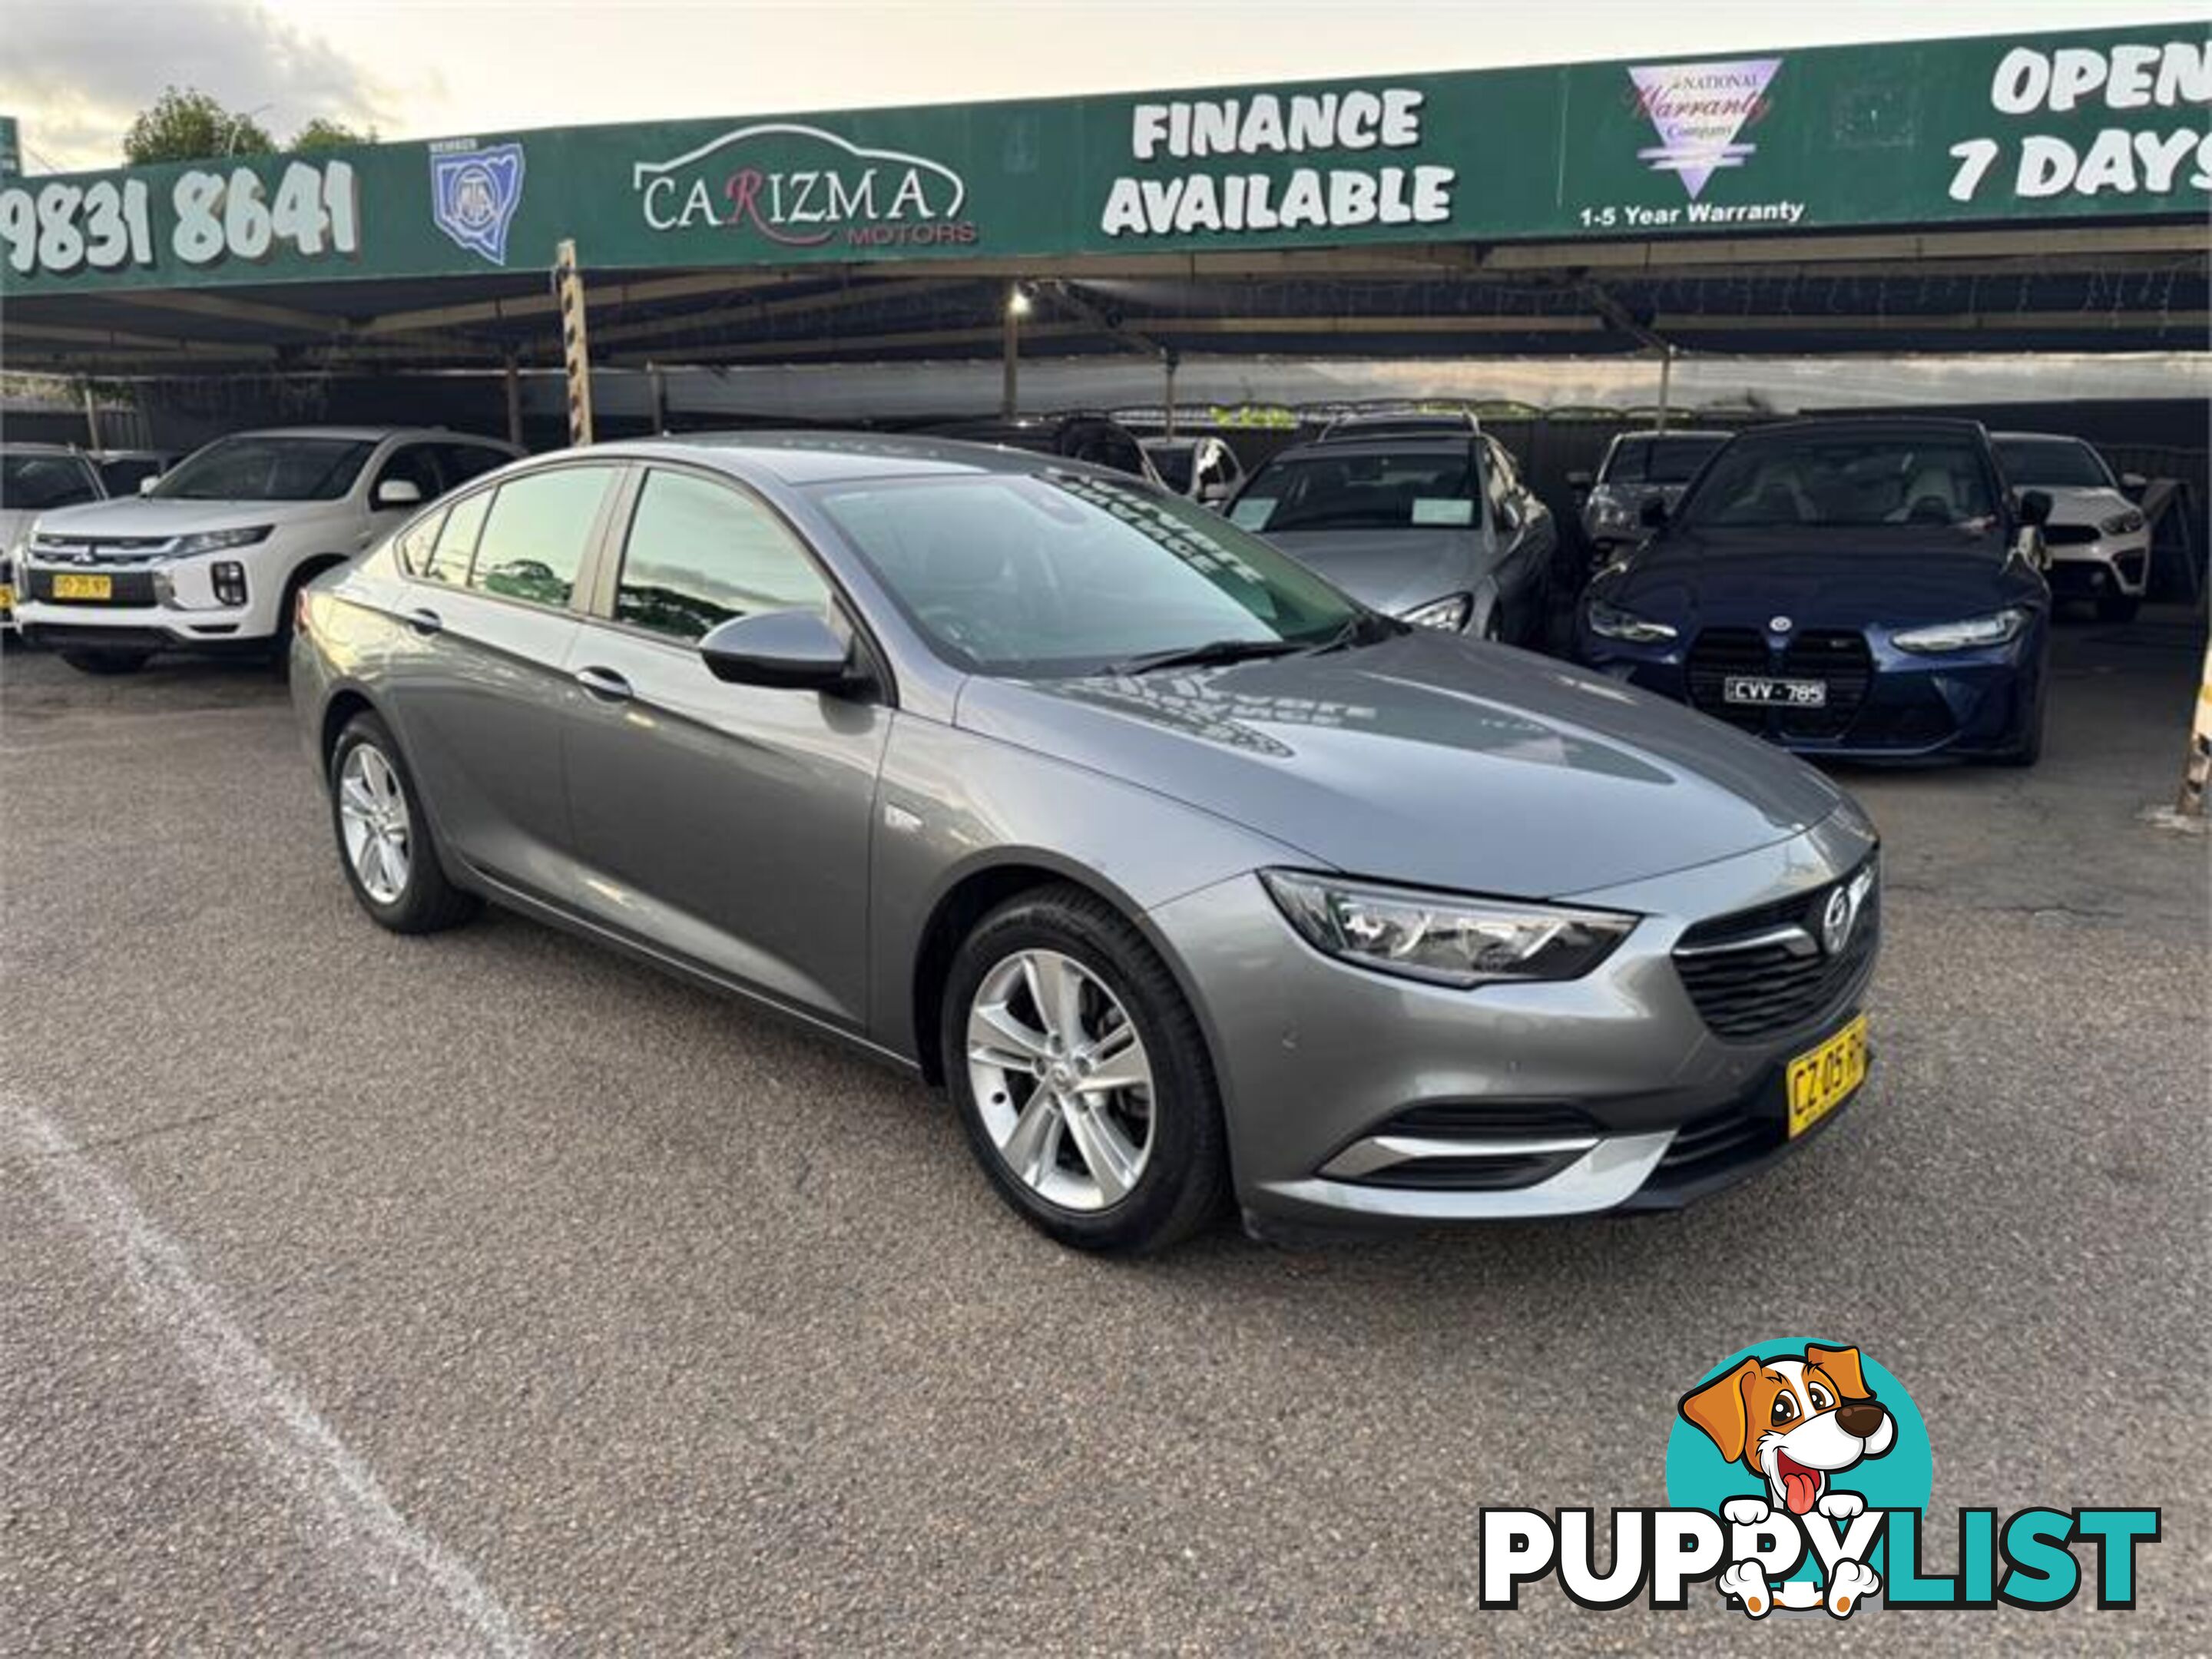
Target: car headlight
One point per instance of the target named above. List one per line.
(1615, 624)
(1974, 634)
(215, 541)
(1448, 613)
(1444, 941)
(1611, 509)
(2123, 524)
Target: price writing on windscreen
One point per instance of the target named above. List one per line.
(65, 226)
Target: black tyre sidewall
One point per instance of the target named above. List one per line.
(428, 901)
(1184, 1180)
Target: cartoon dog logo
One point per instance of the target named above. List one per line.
(1795, 1421)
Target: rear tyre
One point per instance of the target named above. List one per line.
(106, 662)
(2117, 608)
(385, 845)
(1081, 1077)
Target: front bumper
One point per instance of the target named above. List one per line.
(135, 616)
(1353, 1097)
(2110, 567)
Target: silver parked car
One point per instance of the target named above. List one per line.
(1436, 528)
(1184, 872)
(1637, 467)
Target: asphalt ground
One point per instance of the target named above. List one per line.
(490, 1293)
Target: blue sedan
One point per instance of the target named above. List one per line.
(1863, 589)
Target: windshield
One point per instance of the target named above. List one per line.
(2045, 463)
(253, 469)
(1172, 462)
(1657, 461)
(1043, 576)
(1430, 488)
(1844, 483)
(31, 483)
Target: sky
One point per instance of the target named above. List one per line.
(76, 71)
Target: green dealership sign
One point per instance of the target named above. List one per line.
(2106, 124)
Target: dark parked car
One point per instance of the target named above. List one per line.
(1185, 874)
(1638, 465)
(1097, 439)
(1868, 588)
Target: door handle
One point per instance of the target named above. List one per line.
(604, 683)
(425, 622)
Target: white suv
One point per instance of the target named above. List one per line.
(2098, 540)
(213, 553)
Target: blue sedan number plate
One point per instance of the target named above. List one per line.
(1759, 692)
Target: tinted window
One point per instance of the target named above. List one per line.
(534, 538)
(123, 474)
(1334, 488)
(699, 553)
(268, 469)
(1659, 460)
(417, 543)
(34, 482)
(412, 463)
(2046, 463)
(1172, 462)
(462, 462)
(1844, 481)
(1058, 575)
(455, 541)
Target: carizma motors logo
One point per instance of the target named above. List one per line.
(1798, 1479)
(801, 187)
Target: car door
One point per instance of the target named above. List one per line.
(479, 687)
(729, 823)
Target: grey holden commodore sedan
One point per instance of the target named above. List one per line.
(1186, 875)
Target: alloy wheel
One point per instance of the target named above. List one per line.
(374, 819)
(1061, 1079)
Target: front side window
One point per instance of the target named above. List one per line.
(1047, 576)
(412, 464)
(1432, 487)
(255, 468)
(535, 533)
(1844, 483)
(32, 483)
(698, 553)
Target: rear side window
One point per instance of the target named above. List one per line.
(418, 541)
(533, 539)
(700, 553)
(456, 542)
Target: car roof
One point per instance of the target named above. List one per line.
(369, 434)
(1864, 426)
(1380, 443)
(14, 447)
(1455, 423)
(809, 457)
(2040, 438)
(1672, 432)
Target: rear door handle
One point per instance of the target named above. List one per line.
(425, 622)
(604, 683)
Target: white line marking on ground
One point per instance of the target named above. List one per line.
(444, 1607)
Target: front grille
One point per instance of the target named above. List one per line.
(1838, 658)
(1748, 985)
(127, 587)
(2069, 535)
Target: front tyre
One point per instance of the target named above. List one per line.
(1080, 1074)
(384, 838)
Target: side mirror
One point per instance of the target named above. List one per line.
(2035, 508)
(146, 485)
(397, 492)
(1581, 481)
(2134, 481)
(791, 650)
(1651, 511)
(1214, 493)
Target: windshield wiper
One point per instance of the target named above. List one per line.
(1368, 628)
(1197, 656)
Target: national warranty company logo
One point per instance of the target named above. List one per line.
(1798, 1479)
(799, 186)
(1700, 112)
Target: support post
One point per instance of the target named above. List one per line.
(575, 341)
(1167, 365)
(1010, 389)
(657, 391)
(514, 379)
(2197, 775)
(91, 416)
(1666, 382)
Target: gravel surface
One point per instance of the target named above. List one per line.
(488, 1292)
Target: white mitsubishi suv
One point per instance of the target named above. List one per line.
(212, 554)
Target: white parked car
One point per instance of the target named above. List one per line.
(33, 479)
(2098, 540)
(1203, 468)
(211, 555)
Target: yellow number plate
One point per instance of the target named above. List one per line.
(7, 597)
(84, 587)
(1826, 1076)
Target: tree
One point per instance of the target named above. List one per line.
(322, 134)
(186, 125)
